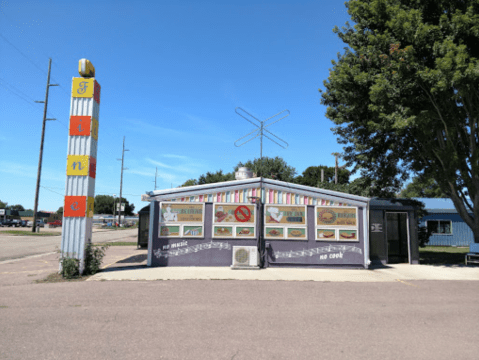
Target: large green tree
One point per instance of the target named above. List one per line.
(104, 204)
(272, 168)
(312, 175)
(405, 95)
(422, 188)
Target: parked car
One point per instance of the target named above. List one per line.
(40, 223)
(29, 223)
(55, 223)
(16, 223)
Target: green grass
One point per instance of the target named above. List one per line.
(119, 243)
(29, 233)
(442, 255)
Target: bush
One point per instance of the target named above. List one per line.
(423, 236)
(93, 259)
(70, 268)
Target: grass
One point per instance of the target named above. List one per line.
(57, 277)
(29, 233)
(119, 243)
(442, 255)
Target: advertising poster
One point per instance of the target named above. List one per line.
(326, 234)
(274, 233)
(181, 212)
(246, 232)
(223, 231)
(234, 214)
(193, 231)
(167, 230)
(297, 233)
(287, 215)
(348, 235)
(336, 216)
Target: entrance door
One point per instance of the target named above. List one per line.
(397, 237)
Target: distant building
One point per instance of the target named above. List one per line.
(447, 227)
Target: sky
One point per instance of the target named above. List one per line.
(172, 74)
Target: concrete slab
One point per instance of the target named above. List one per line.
(387, 274)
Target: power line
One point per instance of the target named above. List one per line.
(25, 56)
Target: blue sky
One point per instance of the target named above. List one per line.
(172, 74)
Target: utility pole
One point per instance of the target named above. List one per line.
(39, 173)
(336, 167)
(156, 175)
(121, 181)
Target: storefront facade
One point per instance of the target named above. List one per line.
(285, 224)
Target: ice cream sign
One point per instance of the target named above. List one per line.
(291, 215)
(181, 212)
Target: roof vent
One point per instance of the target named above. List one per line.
(243, 173)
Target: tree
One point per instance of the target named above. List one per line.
(422, 188)
(104, 205)
(312, 175)
(60, 210)
(17, 207)
(190, 182)
(405, 95)
(3, 205)
(215, 177)
(271, 168)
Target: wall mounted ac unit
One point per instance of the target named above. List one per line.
(245, 257)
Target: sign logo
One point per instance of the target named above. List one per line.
(79, 165)
(327, 216)
(75, 206)
(82, 87)
(242, 213)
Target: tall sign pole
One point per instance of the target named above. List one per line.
(81, 163)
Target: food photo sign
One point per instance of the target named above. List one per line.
(181, 220)
(234, 221)
(285, 222)
(336, 223)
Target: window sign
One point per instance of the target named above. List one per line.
(287, 215)
(181, 220)
(336, 223)
(336, 216)
(234, 221)
(285, 222)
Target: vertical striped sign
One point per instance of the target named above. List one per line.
(81, 164)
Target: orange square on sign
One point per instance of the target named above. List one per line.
(92, 171)
(75, 206)
(80, 125)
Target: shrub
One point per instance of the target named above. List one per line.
(70, 268)
(93, 258)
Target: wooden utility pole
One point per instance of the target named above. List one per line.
(336, 167)
(121, 181)
(40, 159)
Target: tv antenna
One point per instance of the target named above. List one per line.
(261, 130)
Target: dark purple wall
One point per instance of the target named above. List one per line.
(317, 253)
(218, 252)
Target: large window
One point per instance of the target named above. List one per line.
(336, 223)
(285, 222)
(234, 221)
(180, 219)
(442, 227)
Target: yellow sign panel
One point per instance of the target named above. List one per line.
(90, 203)
(338, 216)
(237, 213)
(184, 212)
(83, 87)
(78, 165)
(291, 215)
(94, 128)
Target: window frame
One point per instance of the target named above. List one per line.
(438, 226)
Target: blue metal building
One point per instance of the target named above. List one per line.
(447, 227)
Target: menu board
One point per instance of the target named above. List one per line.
(181, 213)
(336, 216)
(287, 215)
(348, 235)
(234, 214)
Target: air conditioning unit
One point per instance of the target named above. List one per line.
(245, 257)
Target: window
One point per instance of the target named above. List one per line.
(439, 227)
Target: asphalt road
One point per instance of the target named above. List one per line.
(15, 247)
(239, 320)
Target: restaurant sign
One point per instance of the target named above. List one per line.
(181, 213)
(336, 216)
(287, 215)
(234, 214)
